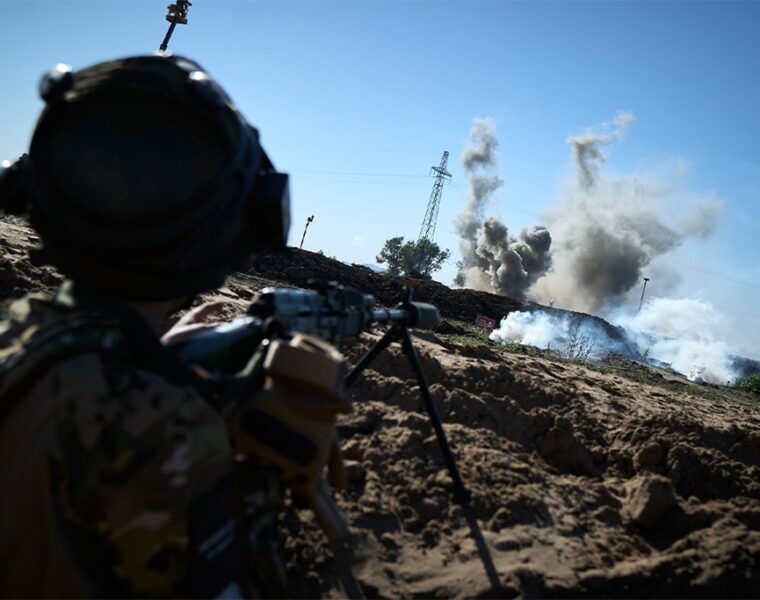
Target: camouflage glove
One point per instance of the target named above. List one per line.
(290, 423)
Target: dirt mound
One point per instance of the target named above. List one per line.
(17, 275)
(585, 483)
(296, 267)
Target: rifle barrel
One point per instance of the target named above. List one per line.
(385, 316)
(417, 315)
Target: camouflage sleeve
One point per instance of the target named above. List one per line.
(142, 473)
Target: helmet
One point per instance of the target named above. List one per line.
(144, 181)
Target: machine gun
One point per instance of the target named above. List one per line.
(330, 312)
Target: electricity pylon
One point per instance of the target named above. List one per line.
(427, 231)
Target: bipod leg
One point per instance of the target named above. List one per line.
(461, 495)
(391, 336)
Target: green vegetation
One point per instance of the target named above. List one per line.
(749, 384)
(473, 335)
(416, 259)
(459, 277)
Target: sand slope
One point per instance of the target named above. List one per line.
(613, 482)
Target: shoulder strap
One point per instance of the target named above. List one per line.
(138, 339)
(61, 339)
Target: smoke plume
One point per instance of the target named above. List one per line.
(684, 334)
(587, 147)
(492, 260)
(572, 335)
(606, 230)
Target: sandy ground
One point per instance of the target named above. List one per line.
(610, 480)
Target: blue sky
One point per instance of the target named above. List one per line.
(358, 99)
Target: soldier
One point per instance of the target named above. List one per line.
(146, 186)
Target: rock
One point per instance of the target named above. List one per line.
(355, 471)
(225, 291)
(649, 456)
(353, 450)
(507, 543)
(649, 498)
(560, 448)
(388, 541)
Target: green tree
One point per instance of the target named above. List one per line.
(391, 254)
(459, 280)
(416, 259)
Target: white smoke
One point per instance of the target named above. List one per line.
(539, 329)
(572, 335)
(491, 259)
(685, 335)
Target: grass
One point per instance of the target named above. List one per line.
(749, 384)
(578, 349)
(477, 336)
(746, 392)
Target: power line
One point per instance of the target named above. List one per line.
(739, 312)
(358, 174)
(352, 148)
(366, 217)
(718, 275)
(701, 270)
(404, 183)
(723, 276)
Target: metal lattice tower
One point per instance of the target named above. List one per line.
(427, 231)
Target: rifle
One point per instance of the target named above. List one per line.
(331, 312)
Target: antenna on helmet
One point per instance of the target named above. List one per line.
(176, 15)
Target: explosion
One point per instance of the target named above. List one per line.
(491, 259)
(605, 231)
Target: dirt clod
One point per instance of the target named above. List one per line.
(650, 497)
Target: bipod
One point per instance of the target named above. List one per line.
(400, 333)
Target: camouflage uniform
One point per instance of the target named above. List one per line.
(117, 473)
